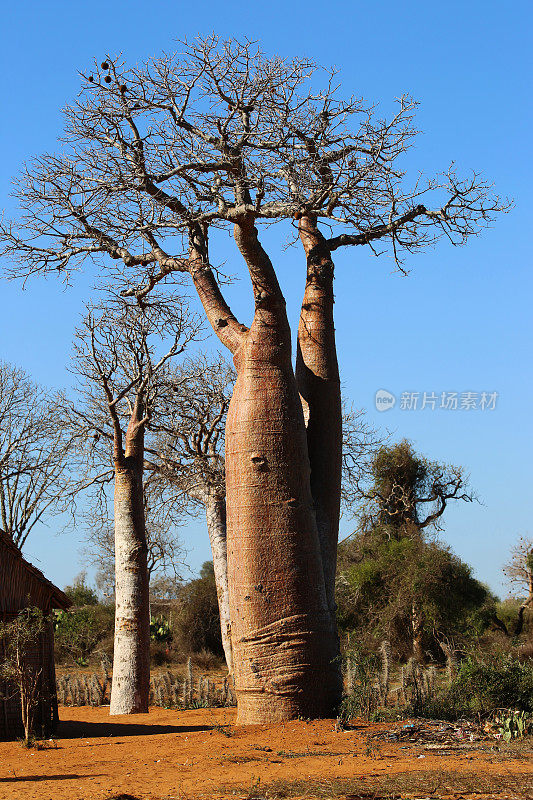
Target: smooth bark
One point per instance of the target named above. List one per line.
(317, 376)
(215, 510)
(283, 648)
(131, 655)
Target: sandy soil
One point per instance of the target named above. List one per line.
(200, 753)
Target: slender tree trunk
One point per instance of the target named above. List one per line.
(317, 376)
(417, 633)
(215, 509)
(131, 656)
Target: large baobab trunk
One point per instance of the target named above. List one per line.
(283, 644)
(131, 655)
(317, 376)
(281, 631)
(285, 651)
(215, 509)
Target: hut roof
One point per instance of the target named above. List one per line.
(58, 599)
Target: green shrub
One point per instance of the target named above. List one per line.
(197, 624)
(80, 631)
(483, 685)
(80, 593)
(487, 683)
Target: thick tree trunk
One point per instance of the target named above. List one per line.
(215, 509)
(281, 632)
(131, 655)
(284, 647)
(317, 376)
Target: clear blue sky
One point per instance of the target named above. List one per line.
(460, 322)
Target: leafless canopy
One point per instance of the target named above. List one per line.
(519, 569)
(121, 355)
(190, 428)
(360, 442)
(36, 455)
(156, 154)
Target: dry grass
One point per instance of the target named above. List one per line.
(427, 785)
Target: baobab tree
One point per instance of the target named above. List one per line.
(165, 556)
(156, 159)
(121, 353)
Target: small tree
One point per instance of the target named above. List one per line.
(198, 624)
(80, 592)
(394, 581)
(519, 571)
(21, 638)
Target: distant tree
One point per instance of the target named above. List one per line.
(394, 581)
(36, 455)
(413, 592)
(165, 587)
(80, 592)
(79, 631)
(519, 571)
(198, 623)
(406, 493)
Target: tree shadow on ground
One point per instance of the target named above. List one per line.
(32, 778)
(79, 729)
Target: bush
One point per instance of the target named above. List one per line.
(197, 626)
(483, 685)
(159, 654)
(380, 580)
(20, 638)
(80, 593)
(80, 631)
(486, 684)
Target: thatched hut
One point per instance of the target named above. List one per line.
(23, 585)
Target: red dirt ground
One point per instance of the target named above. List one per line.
(177, 754)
